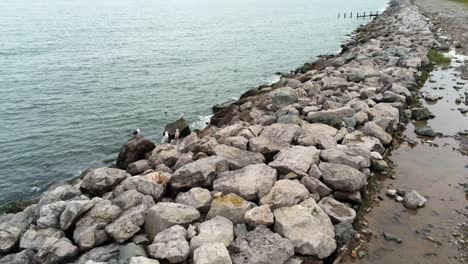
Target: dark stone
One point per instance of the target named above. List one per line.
(225, 116)
(425, 131)
(135, 149)
(344, 232)
(249, 93)
(379, 165)
(421, 114)
(218, 107)
(180, 124)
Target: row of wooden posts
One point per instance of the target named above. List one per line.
(359, 15)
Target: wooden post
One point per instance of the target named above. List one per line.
(338, 15)
(344, 15)
(370, 14)
(364, 16)
(357, 16)
(351, 15)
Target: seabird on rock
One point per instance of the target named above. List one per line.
(165, 138)
(177, 134)
(136, 132)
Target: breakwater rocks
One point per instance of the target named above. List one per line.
(276, 178)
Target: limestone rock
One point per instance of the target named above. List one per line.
(200, 173)
(216, 230)
(197, 197)
(342, 177)
(138, 167)
(238, 158)
(260, 215)
(130, 251)
(164, 215)
(33, 238)
(308, 227)
(166, 154)
(297, 159)
(23, 257)
(153, 184)
(373, 130)
(129, 222)
(347, 156)
(337, 211)
(319, 135)
(285, 193)
(171, 245)
(101, 180)
(332, 117)
(261, 246)
(316, 186)
(73, 211)
(143, 260)
(89, 231)
(56, 251)
(211, 253)
(100, 254)
(231, 206)
(251, 182)
(358, 139)
(283, 96)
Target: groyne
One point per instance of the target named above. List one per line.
(277, 177)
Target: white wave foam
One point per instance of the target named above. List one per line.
(202, 122)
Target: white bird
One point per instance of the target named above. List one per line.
(177, 134)
(165, 138)
(136, 132)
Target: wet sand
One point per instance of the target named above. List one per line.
(436, 168)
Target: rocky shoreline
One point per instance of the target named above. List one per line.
(278, 176)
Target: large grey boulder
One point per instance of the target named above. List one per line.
(285, 193)
(331, 117)
(238, 158)
(171, 245)
(166, 154)
(164, 215)
(237, 141)
(216, 230)
(274, 137)
(314, 185)
(24, 257)
(197, 197)
(261, 246)
(153, 184)
(297, 159)
(73, 211)
(282, 97)
(138, 167)
(89, 231)
(12, 227)
(308, 227)
(59, 193)
(231, 206)
(100, 254)
(56, 251)
(319, 135)
(131, 250)
(385, 111)
(33, 238)
(251, 182)
(101, 180)
(128, 199)
(200, 173)
(347, 156)
(211, 253)
(342, 177)
(260, 215)
(358, 139)
(337, 211)
(373, 130)
(49, 216)
(129, 222)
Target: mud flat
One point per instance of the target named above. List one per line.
(279, 176)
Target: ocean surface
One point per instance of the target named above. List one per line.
(77, 76)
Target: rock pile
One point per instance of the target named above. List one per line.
(269, 181)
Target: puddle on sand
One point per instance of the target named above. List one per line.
(435, 170)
